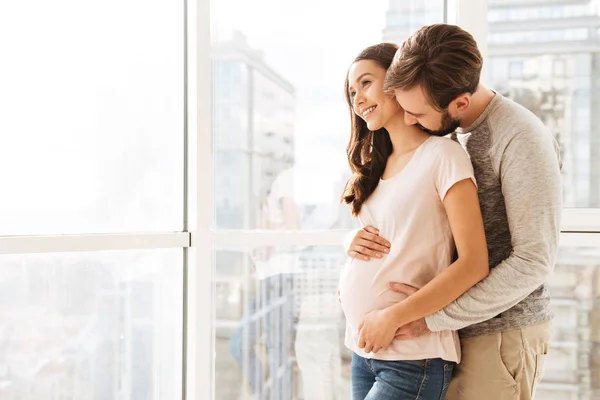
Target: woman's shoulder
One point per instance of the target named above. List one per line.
(443, 142)
(444, 146)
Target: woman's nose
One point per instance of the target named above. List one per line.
(359, 99)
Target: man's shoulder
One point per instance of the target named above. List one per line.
(510, 122)
(509, 118)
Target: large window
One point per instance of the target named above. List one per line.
(290, 129)
(92, 208)
(91, 117)
(575, 291)
(171, 175)
(102, 325)
(545, 56)
(552, 67)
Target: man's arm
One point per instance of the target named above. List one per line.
(531, 184)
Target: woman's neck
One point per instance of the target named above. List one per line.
(405, 138)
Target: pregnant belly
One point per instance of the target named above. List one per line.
(364, 288)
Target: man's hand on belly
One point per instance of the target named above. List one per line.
(416, 328)
(413, 330)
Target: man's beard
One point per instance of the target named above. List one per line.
(449, 125)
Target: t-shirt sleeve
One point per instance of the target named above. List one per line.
(453, 165)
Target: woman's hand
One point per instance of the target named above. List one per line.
(367, 243)
(377, 331)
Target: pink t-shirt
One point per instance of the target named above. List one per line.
(408, 211)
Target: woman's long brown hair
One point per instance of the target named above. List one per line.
(367, 151)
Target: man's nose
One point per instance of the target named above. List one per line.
(409, 119)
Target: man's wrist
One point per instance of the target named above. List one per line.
(431, 323)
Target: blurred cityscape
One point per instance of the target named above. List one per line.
(82, 326)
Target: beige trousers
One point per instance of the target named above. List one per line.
(501, 366)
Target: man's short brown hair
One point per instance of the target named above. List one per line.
(443, 59)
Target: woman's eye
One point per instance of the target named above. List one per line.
(365, 83)
(352, 94)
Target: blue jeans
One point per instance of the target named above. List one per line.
(272, 312)
(400, 380)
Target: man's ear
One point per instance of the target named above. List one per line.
(461, 103)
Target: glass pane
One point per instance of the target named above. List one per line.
(279, 326)
(89, 326)
(571, 370)
(281, 121)
(277, 311)
(91, 116)
(553, 68)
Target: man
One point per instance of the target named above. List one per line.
(505, 320)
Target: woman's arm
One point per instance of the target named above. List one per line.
(464, 215)
(462, 207)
